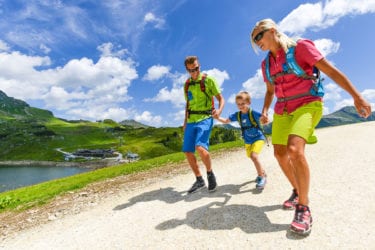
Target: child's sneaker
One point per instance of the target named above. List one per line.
(291, 203)
(198, 184)
(261, 182)
(302, 221)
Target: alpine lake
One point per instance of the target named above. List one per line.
(13, 177)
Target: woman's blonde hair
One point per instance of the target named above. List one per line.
(266, 24)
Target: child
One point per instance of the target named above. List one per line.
(251, 132)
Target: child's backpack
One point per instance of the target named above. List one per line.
(202, 84)
(291, 67)
(254, 124)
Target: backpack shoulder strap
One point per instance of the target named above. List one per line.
(202, 83)
(252, 119)
(203, 89)
(292, 63)
(267, 69)
(239, 118)
(186, 87)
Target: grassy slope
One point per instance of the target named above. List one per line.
(36, 140)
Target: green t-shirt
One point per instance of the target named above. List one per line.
(198, 100)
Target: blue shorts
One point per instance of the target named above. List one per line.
(197, 134)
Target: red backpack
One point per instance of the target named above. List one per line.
(203, 89)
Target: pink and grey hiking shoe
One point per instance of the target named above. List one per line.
(302, 221)
(292, 201)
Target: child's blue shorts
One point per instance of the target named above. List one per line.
(197, 134)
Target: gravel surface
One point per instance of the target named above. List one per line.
(152, 210)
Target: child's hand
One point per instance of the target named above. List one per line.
(215, 114)
(264, 118)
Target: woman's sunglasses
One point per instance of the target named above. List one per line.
(259, 36)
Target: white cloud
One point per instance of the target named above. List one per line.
(333, 92)
(3, 46)
(179, 117)
(156, 72)
(148, 118)
(255, 85)
(327, 46)
(175, 95)
(343, 103)
(107, 50)
(322, 15)
(60, 99)
(369, 94)
(151, 18)
(220, 76)
(335, 9)
(45, 49)
(232, 99)
(303, 17)
(81, 88)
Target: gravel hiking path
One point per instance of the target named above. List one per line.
(152, 210)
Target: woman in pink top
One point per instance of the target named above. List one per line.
(296, 112)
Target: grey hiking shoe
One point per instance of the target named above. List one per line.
(198, 185)
(211, 182)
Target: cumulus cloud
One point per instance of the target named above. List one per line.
(370, 94)
(107, 49)
(255, 85)
(3, 46)
(220, 76)
(81, 88)
(332, 92)
(321, 15)
(156, 72)
(327, 46)
(176, 93)
(147, 117)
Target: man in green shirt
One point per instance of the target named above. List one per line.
(200, 91)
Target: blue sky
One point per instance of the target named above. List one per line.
(123, 59)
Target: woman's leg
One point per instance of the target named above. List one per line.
(296, 153)
(281, 155)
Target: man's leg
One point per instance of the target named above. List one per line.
(205, 157)
(192, 160)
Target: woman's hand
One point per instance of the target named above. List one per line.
(264, 118)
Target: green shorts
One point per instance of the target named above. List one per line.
(300, 122)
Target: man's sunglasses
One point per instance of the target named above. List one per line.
(259, 36)
(193, 70)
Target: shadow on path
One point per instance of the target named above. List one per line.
(218, 216)
(169, 195)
